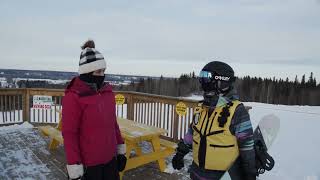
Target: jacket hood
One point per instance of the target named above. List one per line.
(81, 88)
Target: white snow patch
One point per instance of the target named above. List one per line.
(25, 125)
(17, 160)
(136, 133)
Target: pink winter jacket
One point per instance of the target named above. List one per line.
(89, 126)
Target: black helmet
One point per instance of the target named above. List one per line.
(217, 77)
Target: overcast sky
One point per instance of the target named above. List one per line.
(166, 37)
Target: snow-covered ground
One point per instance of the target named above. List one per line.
(23, 126)
(19, 162)
(297, 145)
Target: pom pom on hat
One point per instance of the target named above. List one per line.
(89, 44)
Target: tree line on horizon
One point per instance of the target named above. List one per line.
(250, 89)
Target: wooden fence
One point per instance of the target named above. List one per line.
(153, 110)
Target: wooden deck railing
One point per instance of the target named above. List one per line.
(153, 110)
(158, 111)
(16, 106)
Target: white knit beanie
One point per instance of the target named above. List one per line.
(90, 59)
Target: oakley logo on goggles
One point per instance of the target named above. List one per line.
(206, 77)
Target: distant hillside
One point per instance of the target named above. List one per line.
(60, 75)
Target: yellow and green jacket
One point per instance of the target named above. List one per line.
(216, 147)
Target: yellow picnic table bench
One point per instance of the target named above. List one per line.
(133, 134)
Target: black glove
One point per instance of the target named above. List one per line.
(177, 160)
(121, 162)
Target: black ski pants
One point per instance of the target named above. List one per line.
(107, 171)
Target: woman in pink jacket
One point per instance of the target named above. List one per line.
(93, 144)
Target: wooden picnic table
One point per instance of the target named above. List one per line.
(133, 134)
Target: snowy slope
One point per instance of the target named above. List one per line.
(296, 149)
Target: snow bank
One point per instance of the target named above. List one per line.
(22, 126)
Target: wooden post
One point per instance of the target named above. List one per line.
(26, 105)
(130, 108)
(175, 125)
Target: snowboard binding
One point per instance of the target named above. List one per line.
(263, 160)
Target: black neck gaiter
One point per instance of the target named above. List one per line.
(89, 78)
(210, 99)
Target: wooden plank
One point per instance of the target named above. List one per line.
(117, 109)
(38, 117)
(42, 115)
(135, 112)
(175, 127)
(140, 112)
(130, 107)
(148, 114)
(122, 110)
(167, 143)
(2, 106)
(168, 119)
(60, 102)
(9, 107)
(45, 115)
(46, 92)
(157, 149)
(51, 114)
(155, 119)
(59, 126)
(34, 115)
(135, 162)
(181, 126)
(153, 114)
(55, 108)
(14, 108)
(144, 113)
(6, 108)
(18, 104)
(11, 91)
(174, 123)
(26, 105)
(136, 132)
(159, 98)
(160, 115)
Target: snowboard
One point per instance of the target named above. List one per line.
(264, 136)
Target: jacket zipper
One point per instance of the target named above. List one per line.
(221, 146)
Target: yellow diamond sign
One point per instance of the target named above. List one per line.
(181, 109)
(120, 99)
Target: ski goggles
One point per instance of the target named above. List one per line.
(205, 77)
(210, 77)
